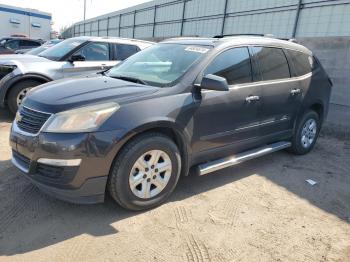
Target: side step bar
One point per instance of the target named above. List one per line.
(242, 157)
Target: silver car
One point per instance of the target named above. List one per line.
(72, 57)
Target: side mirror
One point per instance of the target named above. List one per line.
(213, 82)
(76, 57)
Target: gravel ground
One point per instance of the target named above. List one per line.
(262, 210)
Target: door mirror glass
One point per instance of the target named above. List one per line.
(213, 82)
(77, 57)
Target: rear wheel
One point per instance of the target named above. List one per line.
(145, 172)
(18, 92)
(306, 133)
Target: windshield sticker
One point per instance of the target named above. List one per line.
(197, 49)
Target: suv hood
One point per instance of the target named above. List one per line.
(66, 94)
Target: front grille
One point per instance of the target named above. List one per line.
(21, 159)
(30, 120)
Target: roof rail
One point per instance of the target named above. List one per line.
(262, 35)
(228, 35)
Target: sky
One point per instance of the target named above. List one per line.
(67, 12)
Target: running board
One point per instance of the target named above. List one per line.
(242, 157)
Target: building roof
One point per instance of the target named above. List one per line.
(25, 11)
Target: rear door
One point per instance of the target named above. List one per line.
(97, 58)
(281, 94)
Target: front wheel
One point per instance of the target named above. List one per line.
(145, 172)
(306, 133)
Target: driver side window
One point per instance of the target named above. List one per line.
(233, 64)
(94, 52)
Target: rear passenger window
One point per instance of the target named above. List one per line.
(124, 51)
(272, 63)
(234, 65)
(303, 63)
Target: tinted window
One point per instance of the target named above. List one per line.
(25, 43)
(62, 49)
(14, 44)
(95, 52)
(302, 62)
(272, 62)
(233, 64)
(124, 51)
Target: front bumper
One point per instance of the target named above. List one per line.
(81, 181)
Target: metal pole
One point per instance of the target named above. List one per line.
(300, 3)
(133, 27)
(98, 27)
(107, 26)
(154, 20)
(84, 10)
(224, 18)
(120, 21)
(183, 18)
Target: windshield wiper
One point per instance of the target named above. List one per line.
(129, 79)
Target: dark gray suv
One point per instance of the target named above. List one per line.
(204, 104)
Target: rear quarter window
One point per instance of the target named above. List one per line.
(302, 63)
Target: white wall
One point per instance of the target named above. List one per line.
(25, 26)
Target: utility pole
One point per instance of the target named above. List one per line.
(84, 10)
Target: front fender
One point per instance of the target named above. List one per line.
(181, 134)
(9, 80)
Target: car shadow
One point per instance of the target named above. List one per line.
(5, 116)
(45, 221)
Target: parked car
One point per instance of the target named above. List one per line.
(205, 104)
(9, 45)
(72, 57)
(39, 49)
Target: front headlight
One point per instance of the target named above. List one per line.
(83, 119)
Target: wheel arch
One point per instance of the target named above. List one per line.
(9, 84)
(318, 107)
(167, 128)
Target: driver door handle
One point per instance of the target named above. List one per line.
(250, 99)
(295, 91)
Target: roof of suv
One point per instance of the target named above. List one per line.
(240, 40)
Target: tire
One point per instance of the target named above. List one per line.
(301, 141)
(16, 90)
(127, 178)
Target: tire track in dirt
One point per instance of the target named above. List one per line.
(20, 204)
(182, 216)
(195, 250)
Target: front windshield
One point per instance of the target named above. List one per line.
(61, 49)
(160, 65)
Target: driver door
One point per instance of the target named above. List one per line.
(227, 122)
(97, 57)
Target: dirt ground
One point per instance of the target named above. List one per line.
(262, 210)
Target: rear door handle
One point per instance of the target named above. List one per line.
(296, 91)
(250, 99)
